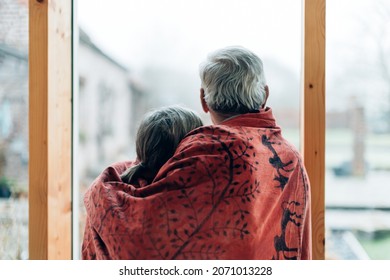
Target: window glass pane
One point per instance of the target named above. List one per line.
(358, 129)
(13, 129)
(145, 54)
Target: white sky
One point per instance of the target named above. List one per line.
(176, 32)
(179, 33)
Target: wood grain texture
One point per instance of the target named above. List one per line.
(313, 115)
(50, 129)
(38, 164)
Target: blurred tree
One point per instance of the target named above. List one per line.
(377, 30)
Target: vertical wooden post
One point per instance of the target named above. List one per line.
(313, 115)
(50, 92)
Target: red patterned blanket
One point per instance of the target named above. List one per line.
(233, 191)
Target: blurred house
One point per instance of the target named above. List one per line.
(13, 114)
(13, 128)
(14, 24)
(14, 92)
(109, 105)
(107, 112)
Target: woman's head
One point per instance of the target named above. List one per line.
(161, 131)
(158, 136)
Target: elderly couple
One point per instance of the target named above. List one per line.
(232, 190)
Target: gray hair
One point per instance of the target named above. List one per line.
(233, 80)
(158, 136)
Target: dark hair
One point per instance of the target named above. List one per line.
(158, 136)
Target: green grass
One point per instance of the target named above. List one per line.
(379, 140)
(339, 147)
(377, 249)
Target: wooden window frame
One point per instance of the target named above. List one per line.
(50, 129)
(50, 124)
(313, 116)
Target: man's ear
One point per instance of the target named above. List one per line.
(266, 89)
(203, 101)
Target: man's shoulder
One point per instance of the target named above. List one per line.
(211, 131)
(231, 132)
(203, 138)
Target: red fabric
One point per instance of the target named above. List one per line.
(237, 190)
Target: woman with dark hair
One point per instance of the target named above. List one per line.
(157, 138)
(159, 133)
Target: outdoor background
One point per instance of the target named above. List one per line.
(132, 56)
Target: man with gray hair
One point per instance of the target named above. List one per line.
(233, 190)
(233, 83)
(243, 189)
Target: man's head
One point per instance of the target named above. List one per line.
(233, 82)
